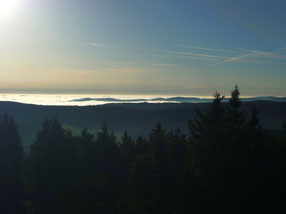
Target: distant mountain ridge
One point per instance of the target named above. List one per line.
(178, 99)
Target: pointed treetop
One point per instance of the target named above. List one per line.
(235, 93)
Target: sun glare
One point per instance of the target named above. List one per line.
(8, 7)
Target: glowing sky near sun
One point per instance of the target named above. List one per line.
(8, 7)
(149, 47)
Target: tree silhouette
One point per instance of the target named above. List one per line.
(53, 157)
(107, 169)
(235, 116)
(211, 158)
(11, 166)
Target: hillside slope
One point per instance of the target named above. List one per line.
(135, 118)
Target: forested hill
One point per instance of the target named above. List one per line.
(135, 118)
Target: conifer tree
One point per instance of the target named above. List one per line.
(157, 140)
(235, 115)
(207, 131)
(106, 168)
(126, 139)
(235, 120)
(127, 155)
(53, 160)
(209, 158)
(11, 165)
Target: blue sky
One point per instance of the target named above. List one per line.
(144, 46)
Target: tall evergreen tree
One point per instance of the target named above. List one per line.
(53, 160)
(235, 120)
(11, 166)
(107, 169)
(209, 160)
(235, 115)
(151, 181)
(126, 139)
(253, 162)
(207, 131)
(127, 155)
(85, 173)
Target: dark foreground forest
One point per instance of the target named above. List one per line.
(229, 164)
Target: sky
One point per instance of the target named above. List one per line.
(186, 47)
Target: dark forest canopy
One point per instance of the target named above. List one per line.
(228, 164)
(138, 119)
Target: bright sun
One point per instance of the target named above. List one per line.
(8, 7)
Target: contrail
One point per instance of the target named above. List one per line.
(193, 54)
(207, 49)
(233, 59)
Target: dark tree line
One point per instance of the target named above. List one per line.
(229, 164)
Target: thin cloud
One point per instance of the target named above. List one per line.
(165, 65)
(187, 57)
(74, 71)
(208, 55)
(269, 54)
(258, 54)
(102, 45)
(145, 65)
(133, 70)
(233, 59)
(112, 68)
(192, 54)
(201, 58)
(207, 49)
(261, 61)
